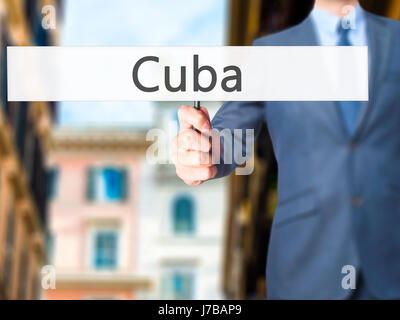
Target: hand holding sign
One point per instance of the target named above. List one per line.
(192, 151)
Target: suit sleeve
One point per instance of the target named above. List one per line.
(232, 120)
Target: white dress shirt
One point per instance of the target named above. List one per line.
(327, 25)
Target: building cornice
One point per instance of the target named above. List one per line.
(98, 140)
(102, 280)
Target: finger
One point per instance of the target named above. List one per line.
(190, 117)
(193, 183)
(196, 174)
(189, 139)
(192, 158)
(205, 111)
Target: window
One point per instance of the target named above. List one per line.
(183, 215)
(52, 185)
(177, 284)
(105, 250)
(106, 184)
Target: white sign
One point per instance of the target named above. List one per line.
(187, 73)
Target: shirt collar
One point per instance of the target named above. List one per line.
(328, 22)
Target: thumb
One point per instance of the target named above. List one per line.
(205, 111)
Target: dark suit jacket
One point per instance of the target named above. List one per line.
(338, 196)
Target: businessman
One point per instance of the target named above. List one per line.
(339, 167)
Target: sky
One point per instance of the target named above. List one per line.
(135, 23)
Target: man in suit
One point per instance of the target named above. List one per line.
(339, 167)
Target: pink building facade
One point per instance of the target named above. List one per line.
(93, 219)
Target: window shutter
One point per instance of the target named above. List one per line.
(124, 183)
(183, 215)
(90, 183)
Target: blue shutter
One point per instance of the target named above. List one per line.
(124, 184)
(112, 182)
(116, 183)
(90, 183)
(183, 215)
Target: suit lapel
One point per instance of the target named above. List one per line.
(326, 111)
(379, 44)
(306, 35)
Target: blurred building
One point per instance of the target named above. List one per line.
(252, 199)
(24, 137)
(177, 231)
(94, 213)
(181, 227)
(123, 227)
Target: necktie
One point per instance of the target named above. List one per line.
(348, 109)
